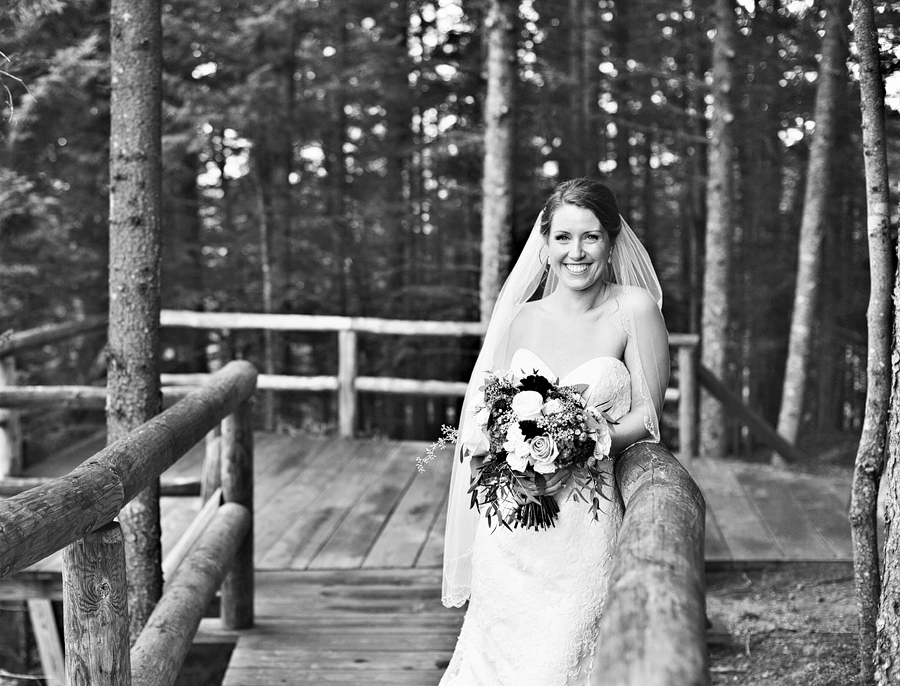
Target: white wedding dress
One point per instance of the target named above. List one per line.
(536, 596)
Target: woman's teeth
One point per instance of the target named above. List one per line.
(577, 268)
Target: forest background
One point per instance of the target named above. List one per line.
(327, 158)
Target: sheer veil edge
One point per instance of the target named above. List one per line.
(631, 268)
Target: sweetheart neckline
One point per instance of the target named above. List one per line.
(572, 371)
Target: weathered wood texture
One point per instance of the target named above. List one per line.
(74, 397)
(160, 650)
(11, 486)
(51, 333)
(95, 610)
(342, 504)
(653, 630)
(348, 627)
(47, 637)
(237, 487)
(44, 519)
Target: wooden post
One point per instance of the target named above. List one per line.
(95, 610)
(211, 477)
(237, 487)
(687, 403)
(347, 382)
(10, 427)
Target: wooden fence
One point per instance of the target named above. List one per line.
(347, 383)
(77, 512)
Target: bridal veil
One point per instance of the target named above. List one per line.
(631, 268)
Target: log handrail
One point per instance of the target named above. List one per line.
(653, 629)
(45, 519)
(51, 333)
(77, 512)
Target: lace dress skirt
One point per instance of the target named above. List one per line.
(536, 600)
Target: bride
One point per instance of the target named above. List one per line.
(535, 597)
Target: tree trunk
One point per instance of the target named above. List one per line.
(497, 190)
(870, 454)
(719, 229)
(265, 263)
(812, 227)
(134, 265)
(591, 139)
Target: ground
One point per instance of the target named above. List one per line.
(783, 626)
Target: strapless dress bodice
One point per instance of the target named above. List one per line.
(607, 378)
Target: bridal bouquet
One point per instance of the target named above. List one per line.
(533, 428)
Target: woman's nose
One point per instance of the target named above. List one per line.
(576, 250)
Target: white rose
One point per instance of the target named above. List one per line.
(554, 406)
(520, 464)
(527, 405)
(482, 416)
(516, 447)
(543, 453)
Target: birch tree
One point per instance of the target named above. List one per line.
(134, 265)
(831, 77)
(870, 454)
(497, 186)
(719, 229)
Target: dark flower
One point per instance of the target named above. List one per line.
(536, 382)
(529, 429)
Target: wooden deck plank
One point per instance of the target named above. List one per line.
(328, 489)
(774, 490)
(359, 529)
(374, 626)
(432, 554)
(302, 504)
(406, 532)
(338, 497)
(827, 503)
(270, 677)
(746, 534)
(290, 486)
(715, 547)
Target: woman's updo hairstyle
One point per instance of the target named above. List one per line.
(589, 195)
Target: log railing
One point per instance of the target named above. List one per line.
(347, 383)
(77, 512)
(653, 630)
(10, 344)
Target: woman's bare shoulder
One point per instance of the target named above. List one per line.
(636, 300)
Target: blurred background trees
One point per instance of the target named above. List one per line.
(326, 157)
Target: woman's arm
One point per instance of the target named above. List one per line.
(647, 358)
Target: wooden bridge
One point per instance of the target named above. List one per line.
(347, 543)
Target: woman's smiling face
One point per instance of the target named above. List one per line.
(579, 247)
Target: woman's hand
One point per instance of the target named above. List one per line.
(555, 482)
